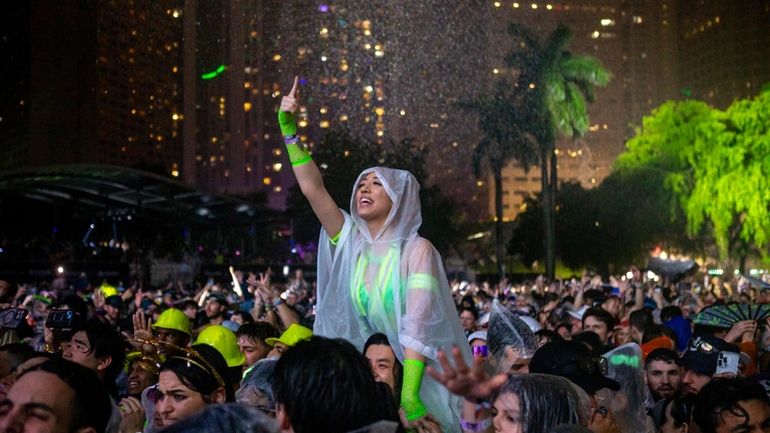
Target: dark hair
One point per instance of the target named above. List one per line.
(257, 331)
(656, 331)
(661, 354)
(326, 386)
(11, 291)
(380, 339)
(669, 312)
(601, 315)
(200, 374)
(17, 353)
(545, 400)
(593, 297)
(472, 310)
(590, 340)
(681, 410)
(231, 418)
(91, 406)
(723, 395)
(549, 334)
(641, 320)
(105, 341)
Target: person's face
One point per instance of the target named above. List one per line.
(372, 201)
(191, 312)
(478, 342)
(278, 349)
(621, 335)
(39, 402)
(757, 419)
(213, 309)
(636, 334)
(577, 325)
(564, 332)
(591, 323)
(112, 313)
(506, 412)
(175, 400)
(382, 359)
(139, 378)
(79, 350)
(253, 350)
(170, 336)
(692, 382)
(663, 378)
(467, 321)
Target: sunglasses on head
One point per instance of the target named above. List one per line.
(699, 345)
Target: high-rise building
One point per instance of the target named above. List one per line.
(723, 49)
(105, 84)
(632, 39)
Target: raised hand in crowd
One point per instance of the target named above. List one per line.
(132, 415)
(742, 331)
(471, 382)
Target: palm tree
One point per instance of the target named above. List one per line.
(561, 85)
(503, 122)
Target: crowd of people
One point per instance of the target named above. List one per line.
(625, 355)
(382, 341)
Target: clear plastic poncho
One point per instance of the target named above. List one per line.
(509, 338)
(394, 283)
(544, 401)
(627, 404)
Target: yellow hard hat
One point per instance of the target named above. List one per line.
(226, 343)
(173, 319)
(108, 290)
(291, 336)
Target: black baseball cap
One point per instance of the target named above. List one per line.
(572, 360)
(702, 354)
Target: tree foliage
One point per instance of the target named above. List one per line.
(341, 156)
(716, 165)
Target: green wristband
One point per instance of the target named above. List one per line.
(413, 407)
(288, 123)
(298, 155)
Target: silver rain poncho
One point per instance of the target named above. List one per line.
(544, 402)
(394, 283)
(509, 338)
(627, 404)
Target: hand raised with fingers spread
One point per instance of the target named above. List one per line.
(470, 382)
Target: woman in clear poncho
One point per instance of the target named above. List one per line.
(376, 274)
(627, 404)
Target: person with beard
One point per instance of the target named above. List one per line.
(215, 309)
(662, 374)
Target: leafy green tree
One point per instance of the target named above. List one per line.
(717, 167)
(504, 121)
(562, 84)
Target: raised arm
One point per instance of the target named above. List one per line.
(307, 172)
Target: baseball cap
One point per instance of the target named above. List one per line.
(702, 354)
(572, 360)
(219, 297)
(478, 335)
(578, 314)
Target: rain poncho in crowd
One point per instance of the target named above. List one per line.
(625, 365)
(394, 283)
(509, 338)
(543, 402)
(226, 418)
(257, 386)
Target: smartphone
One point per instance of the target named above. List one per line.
(727, 362)
(11, 318)
(60, 319)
